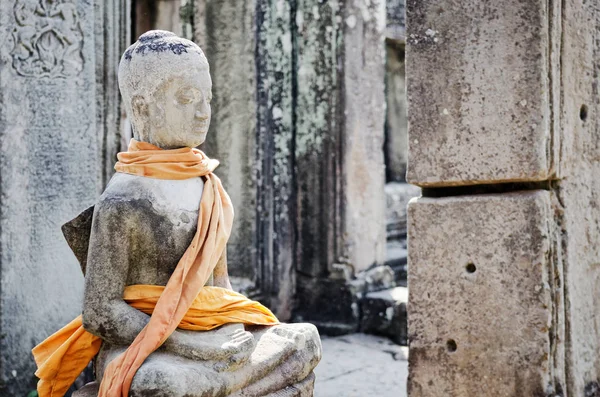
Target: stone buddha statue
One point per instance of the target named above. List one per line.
(141, 227)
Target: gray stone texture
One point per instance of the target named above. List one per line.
(53, 154)
(362, 204)
(484, 305)
(339, 162)
(249, 47)
(538, 122)
(479, 93)
(578, 122)
(226, 31)
(276, 232)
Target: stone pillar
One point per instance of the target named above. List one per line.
(339, 157)
(503, 286)
(298, 115)
(577, 120)
(396, 135)
(54, 154)
(226, 31)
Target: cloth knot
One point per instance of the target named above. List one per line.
(146, 159)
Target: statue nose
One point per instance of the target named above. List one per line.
(200, 115)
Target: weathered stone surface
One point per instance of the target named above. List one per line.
(339, 162)
(253, 127)
(226, 29)
(157, 14)
(50, 165)
(270, 368)
(303, 160)
(362, 204)
(479, 94)
(384, 313)
(276, 231)
(578, 192)
(112, 32)
(397, 196)
(485, 295)
(77, 233)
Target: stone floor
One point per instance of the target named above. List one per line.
(360, 365)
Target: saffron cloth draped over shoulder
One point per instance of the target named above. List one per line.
(184, 302)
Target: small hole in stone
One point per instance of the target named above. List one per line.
(583, 113)
(451, 345)
(471, 268)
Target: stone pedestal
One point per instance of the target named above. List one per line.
(503, 287)
(58, 120)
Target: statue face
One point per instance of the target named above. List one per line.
(179, 111)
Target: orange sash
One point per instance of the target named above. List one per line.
(183, 290)
(62, 356)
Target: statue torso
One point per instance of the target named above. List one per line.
(162, 217)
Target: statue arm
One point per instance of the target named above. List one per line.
(105, 313)
(221, 277)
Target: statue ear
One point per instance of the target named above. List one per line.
(139, 107)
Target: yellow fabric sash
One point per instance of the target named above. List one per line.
(183, 288)
(62, 357)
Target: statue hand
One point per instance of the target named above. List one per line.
(229, 346)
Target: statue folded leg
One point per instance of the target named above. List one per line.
(283, 357)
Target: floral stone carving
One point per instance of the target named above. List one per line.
(48, 39)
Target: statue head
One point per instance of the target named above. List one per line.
(166, 88)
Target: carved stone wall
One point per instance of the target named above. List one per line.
(58, 128)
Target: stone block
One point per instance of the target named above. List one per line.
(578, 191)
(479, 96)
(484, 296)
(384, 313)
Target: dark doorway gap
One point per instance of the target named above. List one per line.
(495, 188)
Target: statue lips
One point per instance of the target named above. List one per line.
(201, 125)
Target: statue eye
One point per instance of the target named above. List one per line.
(186, 96)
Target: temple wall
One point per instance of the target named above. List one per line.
(298, 121)
(503, 247)
(58, 135)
